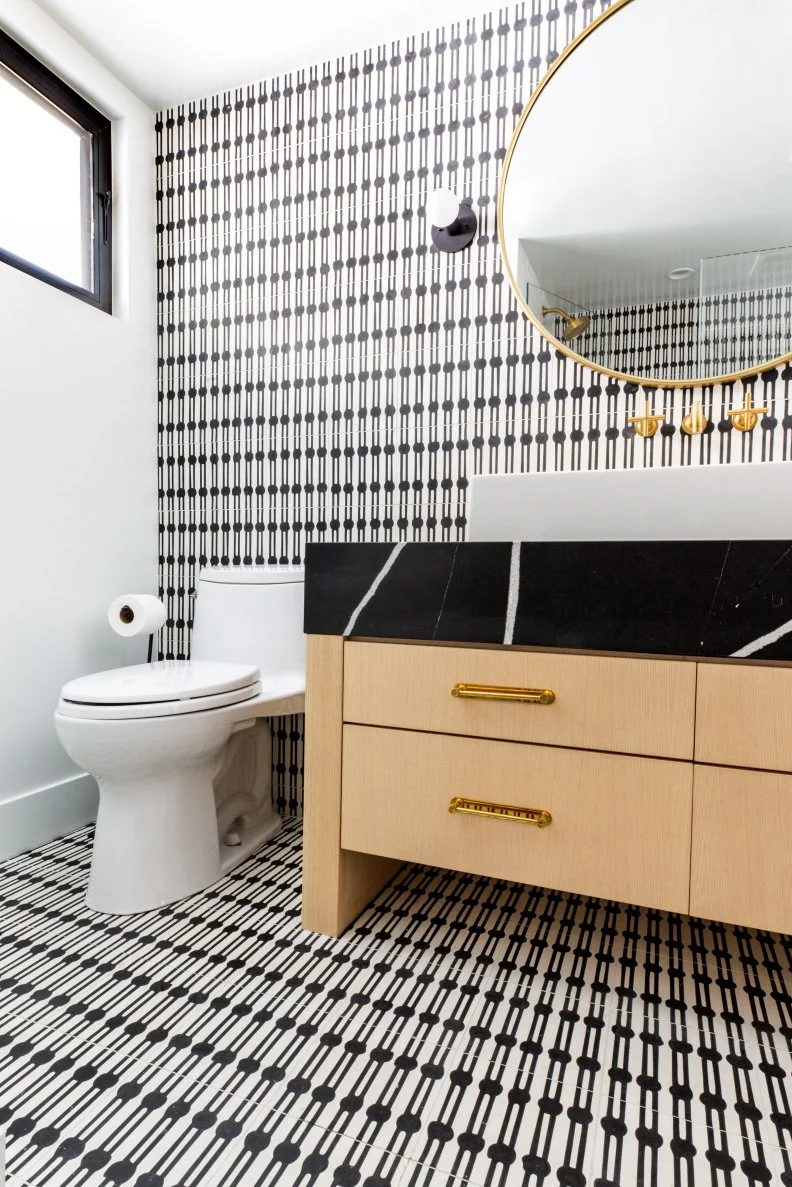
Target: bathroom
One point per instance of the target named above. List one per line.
(396, 469)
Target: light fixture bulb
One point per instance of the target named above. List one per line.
(442, 208)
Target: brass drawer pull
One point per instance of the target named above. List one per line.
(499, 692)
(538, 816)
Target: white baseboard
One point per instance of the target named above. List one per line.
(38, 816)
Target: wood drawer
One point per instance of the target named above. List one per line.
(742, 824)
(632, 706)
(620, 828)
(744, 716)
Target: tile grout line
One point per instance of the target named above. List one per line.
(450, 1050)
(370, 945)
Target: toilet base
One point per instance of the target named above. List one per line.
(161, 887)
(172, 790)
(232, 856)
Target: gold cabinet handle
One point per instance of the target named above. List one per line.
(498, 692)
(538, 816)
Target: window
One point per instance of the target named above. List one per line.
(55, 193)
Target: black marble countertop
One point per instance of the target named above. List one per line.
(712, 599)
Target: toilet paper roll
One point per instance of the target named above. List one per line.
(136, 614)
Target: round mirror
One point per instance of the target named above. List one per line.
(645, 209)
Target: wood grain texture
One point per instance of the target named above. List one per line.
(740, 857)
(744, 716)
(336, 885)
(621, 825)
(630, 706)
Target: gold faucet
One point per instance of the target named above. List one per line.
(746, 418)
(648, 424)
(696, 420)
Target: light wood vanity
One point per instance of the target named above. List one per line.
(661, 782)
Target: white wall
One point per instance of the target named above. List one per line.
(78, 510)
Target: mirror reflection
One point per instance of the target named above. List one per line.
(646, 213)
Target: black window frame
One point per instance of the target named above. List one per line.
(37, 76)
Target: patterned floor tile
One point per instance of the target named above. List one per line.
(676, 990)
(485, 925)
(698, 1080)
(145, 1012)
(780, 1162)
(368, 1083)
(511, 1124)
(85, 1117)
(641, 1148)
(463, 1030)
(777, 1080)
(512, 1111)
(278, 1150)
(671, 964)
(433, 1005)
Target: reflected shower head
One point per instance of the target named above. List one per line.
(573, 326)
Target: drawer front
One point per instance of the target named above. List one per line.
(632, 706)
(744, 716)
(620, 825)
(742, 824)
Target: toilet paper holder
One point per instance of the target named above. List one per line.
(137, 614)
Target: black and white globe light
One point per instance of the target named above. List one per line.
(453, 222)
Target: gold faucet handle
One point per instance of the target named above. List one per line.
(746, 419)
(735, 412)
(634, 420)
(648, 424)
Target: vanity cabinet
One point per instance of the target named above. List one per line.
(740, 855)
(629, 706)
(744, 716)
(620, 777)
(607, 812)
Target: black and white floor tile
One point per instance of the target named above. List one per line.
(463, 1031)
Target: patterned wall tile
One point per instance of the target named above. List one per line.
(716, 335)
(325, 373)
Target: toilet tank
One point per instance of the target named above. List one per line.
(251, 614)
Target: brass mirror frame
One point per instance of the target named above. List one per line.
(641, 381)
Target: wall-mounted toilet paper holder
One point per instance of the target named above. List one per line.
(137, 614)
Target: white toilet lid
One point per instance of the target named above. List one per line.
(165, 681)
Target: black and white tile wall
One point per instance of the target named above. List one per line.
(661, 338)
(745, 325)
(715, 335)
(325, 374)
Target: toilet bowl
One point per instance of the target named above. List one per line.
(181, 749)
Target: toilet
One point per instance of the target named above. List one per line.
(181, 749)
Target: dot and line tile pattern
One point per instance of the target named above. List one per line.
(324, 372)
(463, 1031)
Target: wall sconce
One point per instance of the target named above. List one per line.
(648, 424)
(453, 223)
(746, 418)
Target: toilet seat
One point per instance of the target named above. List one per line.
(167, 688)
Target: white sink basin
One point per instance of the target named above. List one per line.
(717, 502)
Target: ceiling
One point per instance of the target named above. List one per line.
(170, 51)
